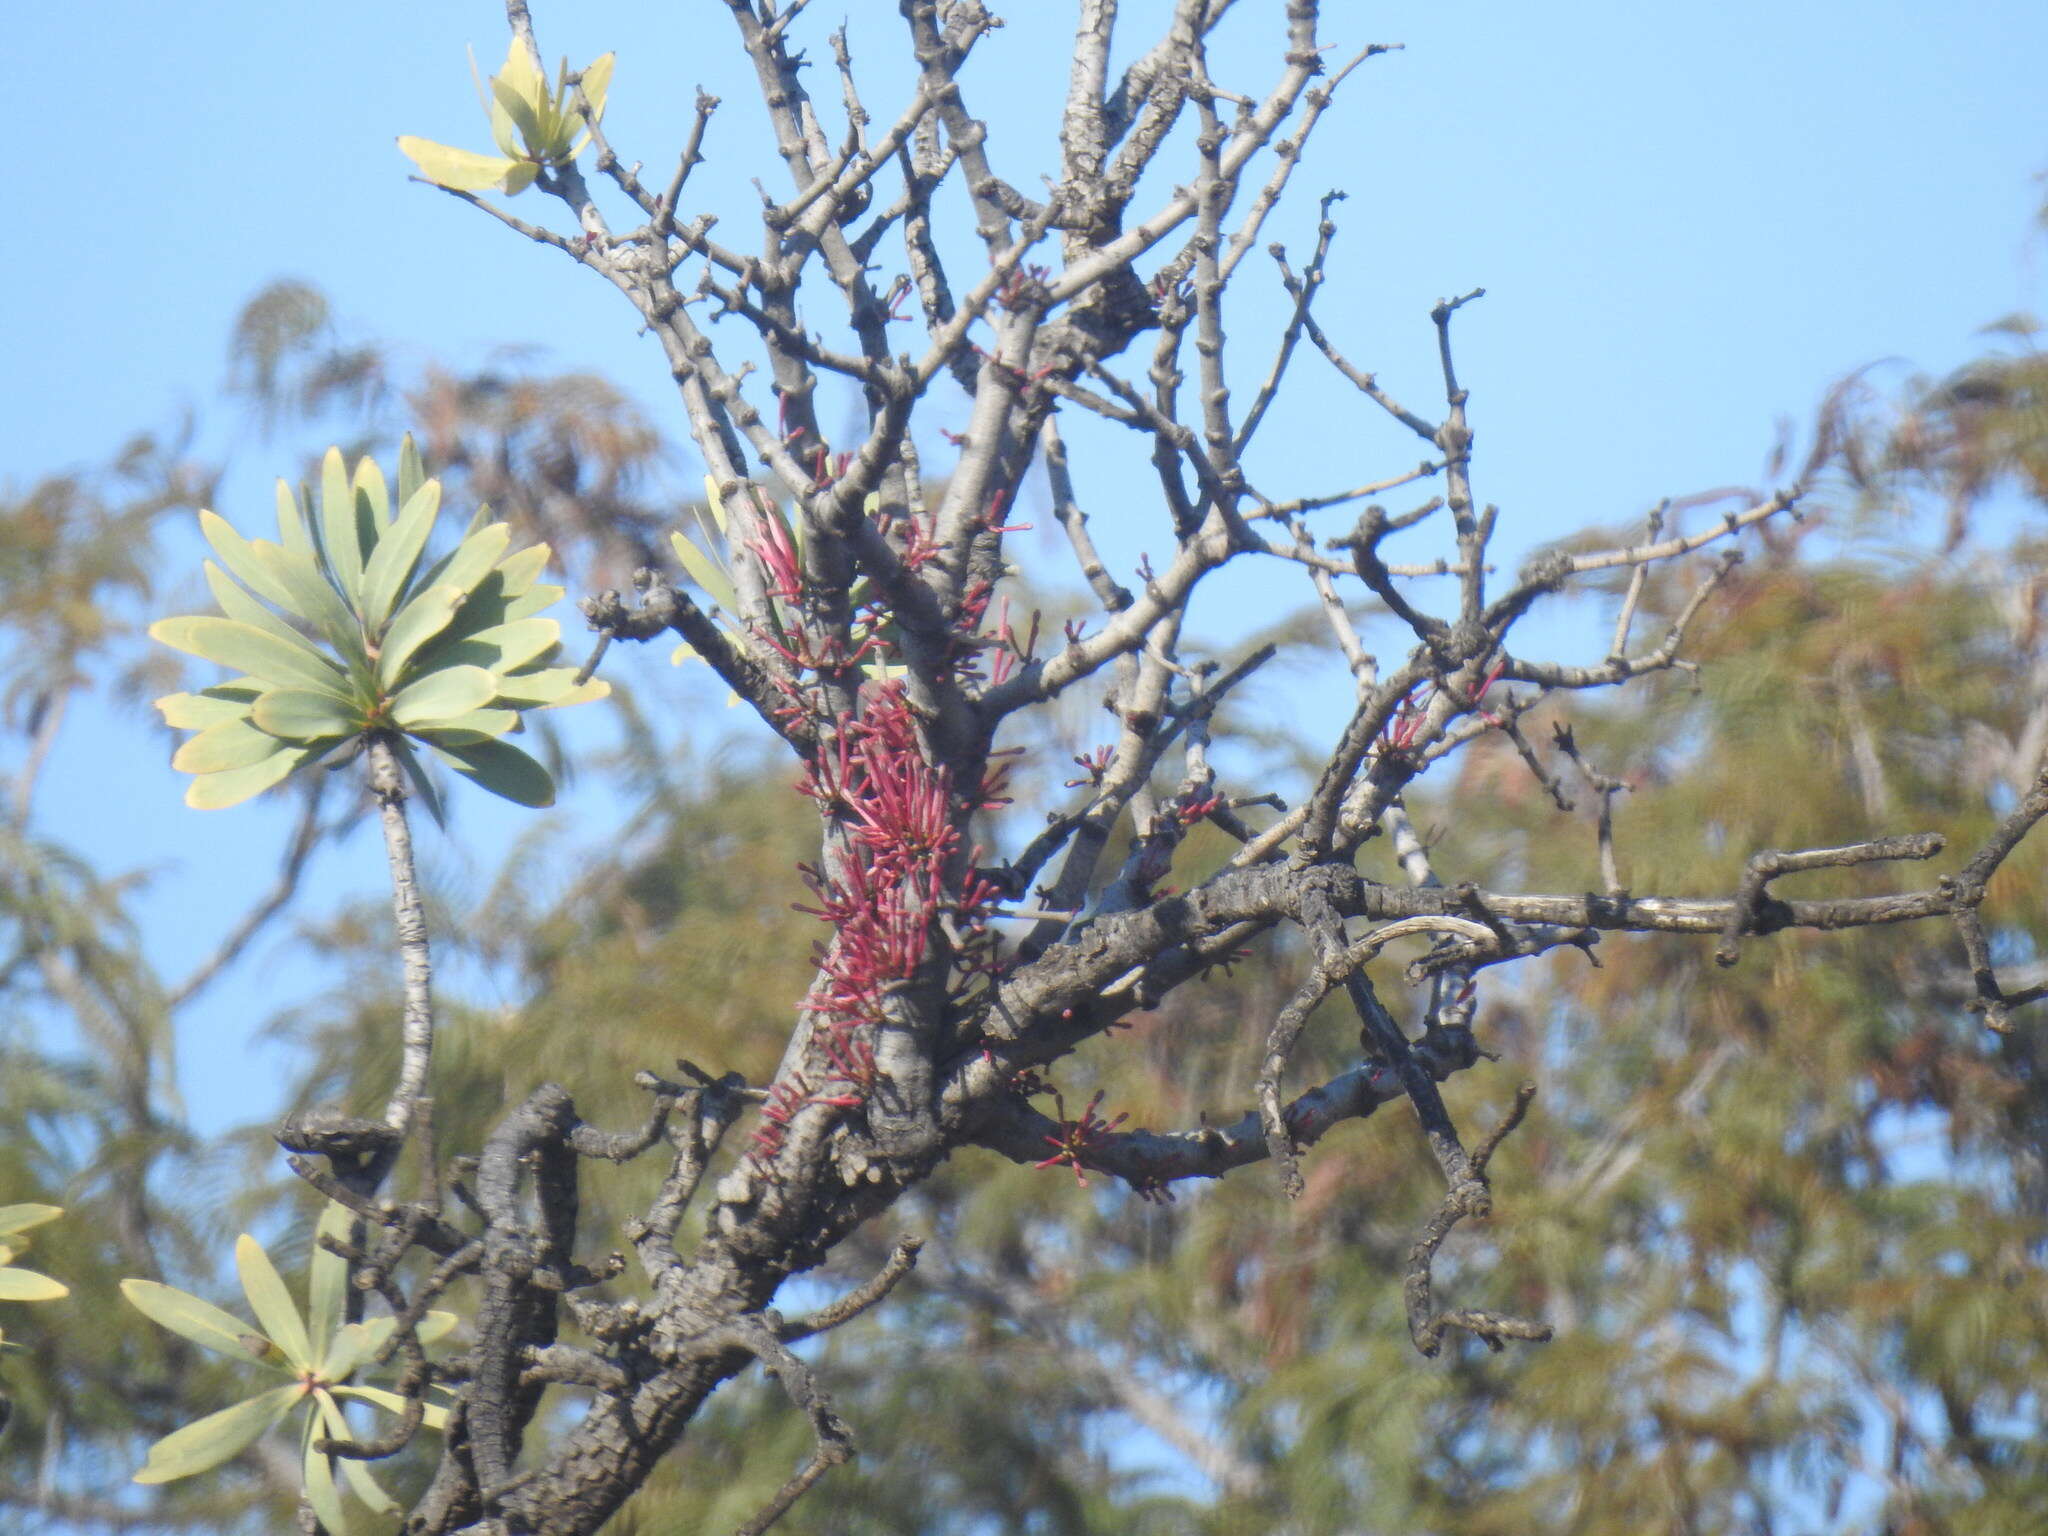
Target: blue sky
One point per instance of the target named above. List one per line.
(1689, 221)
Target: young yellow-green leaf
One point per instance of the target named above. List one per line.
(272, 1303)
(705, 571)
(210, 1441)
(27, 1285)
(219, 748)
(597, 82)
(239, 556)
(440, 694)
(424, 617)
(397, 552)
(319, 1473)
(200, 1321)
(504, 770)
(196, 711)
(682, 653)
(218, 791)
(521, 75)
(327, 1281)
(368, 484)
(525, 116)
(244, 647)
(467, 729)
(555, 685)
(356, 1474)
(21, 1218)
(340, 534)
(292, 532)
(432, 1415)
(299, 714)
(464, 170)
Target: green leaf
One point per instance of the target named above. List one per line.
(462, 170)
(314, 596)
(432, 1415)
(716, 501)
(472, 560)
(339, 532)
(397, 552)
(212, 1440)
(368, 484)
(197, 711)
(266, 657)
(218, 791)
(555, 685)
(327, 1283)
(422, 785)
(540, 596)
(219, 748)
(27, 1285)
(20, 1218)
(239, 556)
(242, 608)
(467, 729)
(502, 647)
(706, 572)
(365, 1487)
(272, 1303)
(521, 75)
(504, 770)
(424, 617)
(292, 532)
(440, 694)
(521, 570)
(526, 117)
(299, 714)
(412, 472)
(320, 1490)
(200, 1321)
(597, 82)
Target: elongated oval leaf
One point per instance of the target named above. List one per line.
(299, 714)
(272, 1303)
(705, 572)
(292, 533)
(200, 1321)
(27, 1285)
(467, 730)
(210, 1441)
(320, 1491)
(465, 566)
(239, 556)
(327, 1282)
(417, 622)
(218, 748)
(368, 484)
(500, 648)
(526, 117)
(432, 1414)
(20, 1218)
(242, 608)
(539, 596)
(340, 535)
(554, 685)
(422, 784)
(460, 170)
(248, 649)
(313, 595)
(366, 1487)
(440, 694)
(504, 770)
(412, 472)
(397, 552)
(196, 711)
(218, 791)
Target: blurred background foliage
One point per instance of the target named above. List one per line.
(1790, 1219)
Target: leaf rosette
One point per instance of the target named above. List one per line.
(534, 127)
(321, 1354)
(344, 629)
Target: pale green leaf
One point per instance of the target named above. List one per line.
(272, 1303)
(197, 711)
(200, 1321)
(424, 617)
(500, 648)
(526, 117)
(467, 729)
(21, 1218)
(462, 170)
(266, 657)
(299, 714)
(340, 533)
(208, 1442)
(327, 1283)
(555, 685)
(422, 784)
(541, 595)
(412, 472)
(466, 566)
(523, 568)
(218, 791)
(521, 75)
(242, 608)
(397, 552)
(597, 82)
(313, 595)
(319, 1474)
(368, 484)
(502, 769)
(27, 1285)
(219, 748)
(716, 500)
(705, 571)
(682, 653)
(239, 556)
(443, 693)
(292, 532)
(432, 1415)
(356, 1473)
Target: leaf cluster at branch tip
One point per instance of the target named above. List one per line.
(534, 126)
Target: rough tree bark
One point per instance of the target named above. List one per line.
(872, 636)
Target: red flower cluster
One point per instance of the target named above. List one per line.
(1077, 1138)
